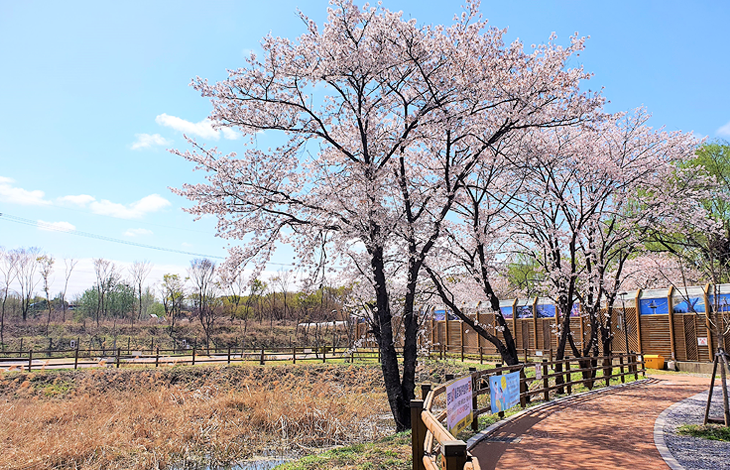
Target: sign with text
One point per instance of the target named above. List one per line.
(459, 413)
(538, 372)
(504, 391)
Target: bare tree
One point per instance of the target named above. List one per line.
(106, 278)
(69, 265)
(45, 262)
(27, 265)
(202, 272)
(172, 291)
(283, 282)
(8, 273)
(139, 272)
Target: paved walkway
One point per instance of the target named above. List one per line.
(610, 430)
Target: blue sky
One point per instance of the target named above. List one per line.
(93, 93)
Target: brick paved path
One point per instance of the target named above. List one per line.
(610, 430)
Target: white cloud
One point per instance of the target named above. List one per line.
(149, 140)
(229, 133)
(55, 226)
(10, 193)
(137, 232)
(202, 129)
(135, 210)
(187, 245)
(724, 130)
(79, 200)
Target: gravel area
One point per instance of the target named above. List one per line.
(691, 452)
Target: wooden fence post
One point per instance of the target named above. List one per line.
(474, 404)
(454, 453)
(524, 399)
(118, 351)
(30, 360)
(294, 355)
(193, 362)
(545, 380)
(229, 355)
(262, 361)
(425, 388)
(570, 378)
(462, 341)
(418, 434)
(76, 357)
(157, 357)
(636, 367)
(324, 354)
(621, 365)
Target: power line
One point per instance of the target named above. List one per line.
(94, 214)
(32, 223)
(50, 227)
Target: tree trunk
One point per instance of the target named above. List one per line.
(383, 330)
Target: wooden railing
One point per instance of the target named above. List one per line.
(431, 441)
(75, 358)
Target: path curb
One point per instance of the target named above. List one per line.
(481, 435)
(661, 446)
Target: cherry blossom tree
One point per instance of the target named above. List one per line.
(464, 269)
(593, 196)
(383, 121)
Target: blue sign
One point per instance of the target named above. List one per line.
(440, 315)
(693, 304)
(654, 306)
(545, 311)
(504, 391)
(506, 312)
(723, 302)
(524, 311)
(575, 311)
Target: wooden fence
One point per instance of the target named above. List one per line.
(77, 358)
(682, 336)
(431, 440)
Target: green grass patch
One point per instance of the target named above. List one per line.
(713, 432)
(392, 453)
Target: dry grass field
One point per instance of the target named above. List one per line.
(144, 418)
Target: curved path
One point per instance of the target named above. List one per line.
(609, 430)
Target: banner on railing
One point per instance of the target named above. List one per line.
(459, 413)
(504, 391)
